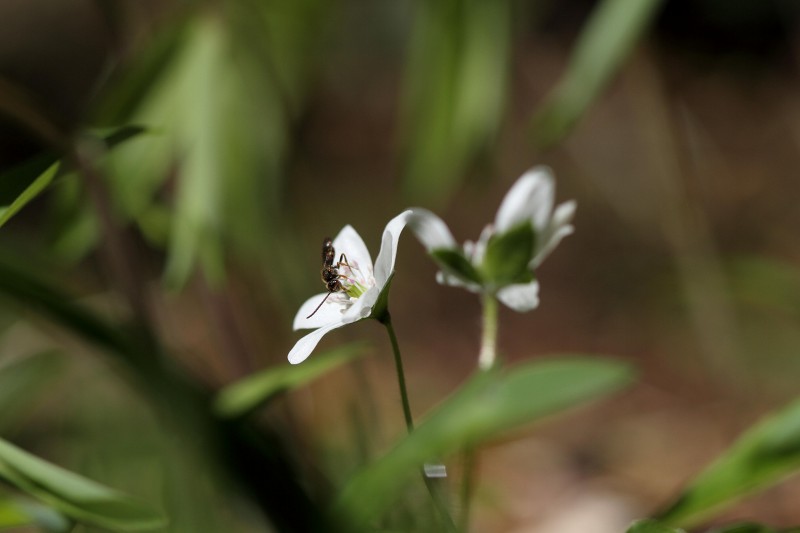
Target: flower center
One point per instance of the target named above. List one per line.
(354, 281)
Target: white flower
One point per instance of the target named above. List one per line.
(502, 260)
(364, 286)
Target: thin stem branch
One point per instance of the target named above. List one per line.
(488, 353)
(439, 500)
(401, 378)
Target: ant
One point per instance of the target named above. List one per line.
(330, 273)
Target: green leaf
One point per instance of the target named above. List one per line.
(609, 36)
(12, 515)
(746, 528)
(765, 282)
(20, 185)
(508, 255)
(454, 263)
(16, 179)
(243, 396)
(200, 83)
(763, 456)
(651, 526)
(77, 497)
(31, 191)
(112, 137)
(23, 380)
(455, 90)
(18, 512)
(487, 406)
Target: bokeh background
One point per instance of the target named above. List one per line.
(270, 124)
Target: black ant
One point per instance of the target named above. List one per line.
(330, 273)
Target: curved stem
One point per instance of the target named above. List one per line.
(401, 378)
(439, 499)
(488, 354)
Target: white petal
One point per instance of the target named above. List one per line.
(350, 243)
(530, 198)
(384, 263)
(521, 296)
(362, 307)
(303, 348)
(558, 228)
(431, 230)
(328, 313)
(479, 248)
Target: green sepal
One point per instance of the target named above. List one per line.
(508, 255)
(380, 311)
(454, 263)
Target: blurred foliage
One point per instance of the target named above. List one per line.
(765, 454)
(752, 528)
(487, 406)
(651, 526)
(213, 102)
(455, 91)
(77, 497)
(607, 40)
(246, 395)
(22, 381)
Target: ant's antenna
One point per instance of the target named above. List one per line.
(320, 305)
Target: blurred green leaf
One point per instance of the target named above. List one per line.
(291, 34)
(749, 528)
(245, 395)
(766, 282)
(456, 84)
(222, 136)
(12, 515)
(14, 181)
(651, 526)
(77, 497)
(32, 191)
(15, 513)
(134, 82)
(196, 233)
(23, 380)
(508, 255)
(764, 455)
(487, 406)
(609, 36)
(73, 225)
(26, 181)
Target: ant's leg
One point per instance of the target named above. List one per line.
(343, 261)
(320, 305)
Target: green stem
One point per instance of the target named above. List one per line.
(488, 354)
(439, 499)
(401, 377)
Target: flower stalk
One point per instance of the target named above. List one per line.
(488, 353)
(386, 320)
